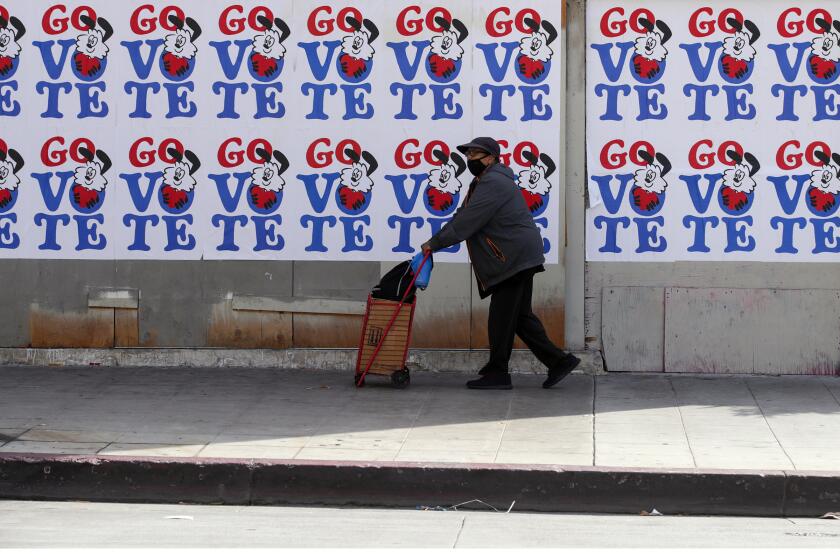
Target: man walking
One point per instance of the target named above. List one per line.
(506, 250)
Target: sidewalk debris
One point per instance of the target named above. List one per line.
(182, 517)
(831, 515)
(651, 512)
(456, 506)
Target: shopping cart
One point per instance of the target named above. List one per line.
(386, 333)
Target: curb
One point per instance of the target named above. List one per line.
(537, 488)
(321, 359)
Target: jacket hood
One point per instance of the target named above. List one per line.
(501, 168)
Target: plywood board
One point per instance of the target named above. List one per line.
(633, 331)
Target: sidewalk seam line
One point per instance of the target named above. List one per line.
(504, 428)
(769, 427)
(682, 421)
(830, 392)
(460, 530)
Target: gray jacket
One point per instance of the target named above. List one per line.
(502, 238)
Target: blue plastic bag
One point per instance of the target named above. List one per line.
(424, 275)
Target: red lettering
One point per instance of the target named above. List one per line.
(143, 25)
(341, 19)
(254, 146)
(409, 27)
(610, 159)
(429, 152)
(504, 156)
(435, 12)
(788, 28)
(520, 150)
(725, 15)
(164, 18)
(76, 17)
(638, 147)
(520, 19)
(163, 150)
(320, 26)
(253, 20)
(229, 25)
(701, 160)
(497, 28)
(230, 159)
(813, 148)
(57, 25)
(725, 147)
(75, 155)
(613, 28)
(701, 28)
(320, 159)
(787, 161)
(4, 13)
(814, 16)
(55, 157)
(407, 160)
(636, 16)
(342, 146)
(142, 158)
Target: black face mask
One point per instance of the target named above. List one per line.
(476, 167)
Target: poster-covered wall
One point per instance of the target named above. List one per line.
(713, 130)
(291, 129)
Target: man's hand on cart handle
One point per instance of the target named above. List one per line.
(426, 248)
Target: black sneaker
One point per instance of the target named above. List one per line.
(491, 381)
(561, 370)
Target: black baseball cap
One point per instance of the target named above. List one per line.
(482, 143)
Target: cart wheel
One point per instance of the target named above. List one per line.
(356, 380)
(401, 378)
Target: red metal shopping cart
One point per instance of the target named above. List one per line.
(386, 334)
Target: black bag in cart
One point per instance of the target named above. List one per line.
(393, 285)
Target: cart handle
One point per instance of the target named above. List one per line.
(393, 319)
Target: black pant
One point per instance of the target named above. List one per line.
(511, 315)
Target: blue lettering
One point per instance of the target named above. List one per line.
(700, 223)
(701, 201)
(354, 99)
(230, 91)
(141, 199)
(611, 234)
(229, 232)
(790, 70)
(611, 69)
(319, 69)
(498, 70)
(403, 225)
(267, 237)
(316, 199)
(825, 240)
(317, 222)
(736, 234)
(89, 236)
(612, 92)
(176, 233)
(318, 98)
(444, 98)
(8, 239)
(789, 203)
(230, 200)
(54, 67)
(496, 94)
(179, 104)
(409, 69)
(736, 98)
(8, 106)
(141, 107)
(701, 70)
(788, 100)
(52, 199)
(408, 91)
(142, 67)
(649, 102)
(229, 66)
(533, 102)
(406, 202)
(648, 233)
(140, 223)
(268, 103)
(90, 104)
(51, 222)
(54, 92)
(354, 233)
(788, 226)
(700, 92)
(826, 99)
(612, 203)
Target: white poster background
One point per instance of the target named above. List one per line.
(293, 134)
(675, 136)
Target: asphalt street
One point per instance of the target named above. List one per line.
(93, 525)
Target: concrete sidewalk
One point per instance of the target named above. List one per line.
(610, 422)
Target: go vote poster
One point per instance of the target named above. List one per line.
(713, 130)
(282, 129)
